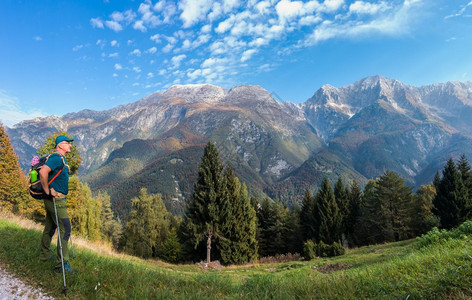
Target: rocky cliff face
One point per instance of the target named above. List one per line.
(363, 129)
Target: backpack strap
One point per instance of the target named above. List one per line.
(60, 171)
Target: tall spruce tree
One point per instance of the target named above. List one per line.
(395, 200)
(328, 214)
(464, 168)
(238, 244)
(207, 208)
(272, 237)
(451, 197)
(355, 202)
(423, 218)
(294, 238)
(368, 229)
(13, 186)
(111, 229)
(342, 200)
(263, 212)
(307, 217)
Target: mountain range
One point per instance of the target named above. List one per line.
(277, 148)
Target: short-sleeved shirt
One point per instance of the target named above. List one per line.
(61, 183)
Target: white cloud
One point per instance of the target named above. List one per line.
(287, 9)
(193, 11)
(206, 28)
(114, 25)
(77, 48)
(127, 17)
(150, 75)
(331, 5)
(361, 7)
(166, 9)
(136, 52)
(248, 54)
(263, 7)
(461, 12)
(177, 60)
(114, 43)
(156, 38)
(137, 69)
(148, 16)
(96, 23)
(310, 20)
(115, 75)
(118, 67)
(37, 38)
(12, 113)
(225, 25)
(152, 50)
(167, 48)
(138, 25)
(114, 55)
(162, 72)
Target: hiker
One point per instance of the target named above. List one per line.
(56, 164)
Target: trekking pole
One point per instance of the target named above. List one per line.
(60, 247)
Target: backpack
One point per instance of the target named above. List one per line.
(35, 188)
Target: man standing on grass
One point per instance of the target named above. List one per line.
(56, 166)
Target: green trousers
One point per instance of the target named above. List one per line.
(50, 228)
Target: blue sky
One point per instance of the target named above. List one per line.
(63, 56)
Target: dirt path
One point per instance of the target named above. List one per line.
(13, 288)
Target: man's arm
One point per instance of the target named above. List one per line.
(43, 177)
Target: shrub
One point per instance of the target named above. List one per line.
(436, 236)
(309, 250)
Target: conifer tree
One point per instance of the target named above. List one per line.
(294, 236)
(423, 218)
(238, 244)
(111, 229)
(307, 217)
(436, 180)
(170, 248)
(328, 213)
(355, 202)
(263, 212)
(368, 229)
(464, 168)
(207, 208)
(451, 197)
(342, 200)
(13, 186)
(395, 202)
(84, 211)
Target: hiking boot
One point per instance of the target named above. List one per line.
(51, 258)
(67, 268)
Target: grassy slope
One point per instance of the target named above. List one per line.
(390, 271)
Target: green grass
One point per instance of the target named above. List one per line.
(390, 271)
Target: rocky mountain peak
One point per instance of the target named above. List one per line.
(195, 93)
(250, 95)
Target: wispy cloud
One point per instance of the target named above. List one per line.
(462, 12)
(11, 111)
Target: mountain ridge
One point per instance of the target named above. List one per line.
(357, 131)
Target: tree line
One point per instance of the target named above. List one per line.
(221, 222)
